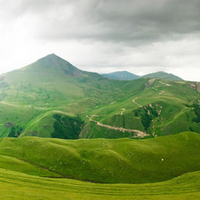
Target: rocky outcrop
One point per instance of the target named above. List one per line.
(149, 83)
(195, 86)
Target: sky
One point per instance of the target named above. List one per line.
(139, 36)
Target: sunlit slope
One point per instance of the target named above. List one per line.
(106, 161)
(162, 107)
(15, 185)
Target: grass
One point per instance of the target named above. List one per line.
(14, 185)
(106, 161)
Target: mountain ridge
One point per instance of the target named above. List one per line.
(125, 75)
(121, 75)
(163, 75)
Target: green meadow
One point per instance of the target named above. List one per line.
(103, 160)
(165, 159)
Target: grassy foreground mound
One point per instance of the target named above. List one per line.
(103, 160)
(18, 186)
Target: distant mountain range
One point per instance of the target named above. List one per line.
(121, 75)
(124, 75)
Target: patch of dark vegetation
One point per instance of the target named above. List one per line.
(66, 127)
(147, 114)
(196, 107)
(9, 124)
(15, 131)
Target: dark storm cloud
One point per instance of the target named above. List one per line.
(137, 35)
(111, 20)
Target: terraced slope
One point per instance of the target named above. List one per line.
(103, 160)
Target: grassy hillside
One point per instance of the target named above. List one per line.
(102, 160)
(19, 186)
(31, 97)
(156, 107)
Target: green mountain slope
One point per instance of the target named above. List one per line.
(52, 98)
(102, 160)
(158, 107)
(163, 75)
(31, 96)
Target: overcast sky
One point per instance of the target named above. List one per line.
(140, 36)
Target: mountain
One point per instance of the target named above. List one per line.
(52, 98)
(52, 64)
(32, 98)
(121, 75)
(163, 75)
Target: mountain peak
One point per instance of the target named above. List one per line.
(163, 75)
(55, 64)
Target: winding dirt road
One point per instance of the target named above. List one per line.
(138, 133)
(136, 102)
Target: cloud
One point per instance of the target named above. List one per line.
(131, 21)
(103, 35)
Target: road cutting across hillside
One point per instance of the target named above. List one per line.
(138, 133)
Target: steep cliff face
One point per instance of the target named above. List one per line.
(195, 86)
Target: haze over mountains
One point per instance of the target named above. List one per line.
(121, 75)
(124, 75)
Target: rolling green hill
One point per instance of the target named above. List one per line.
(52, 98)
(19, 186)
(103, 160)
(40, 168)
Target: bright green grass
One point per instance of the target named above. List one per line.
(107, 161)
(19, 186)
